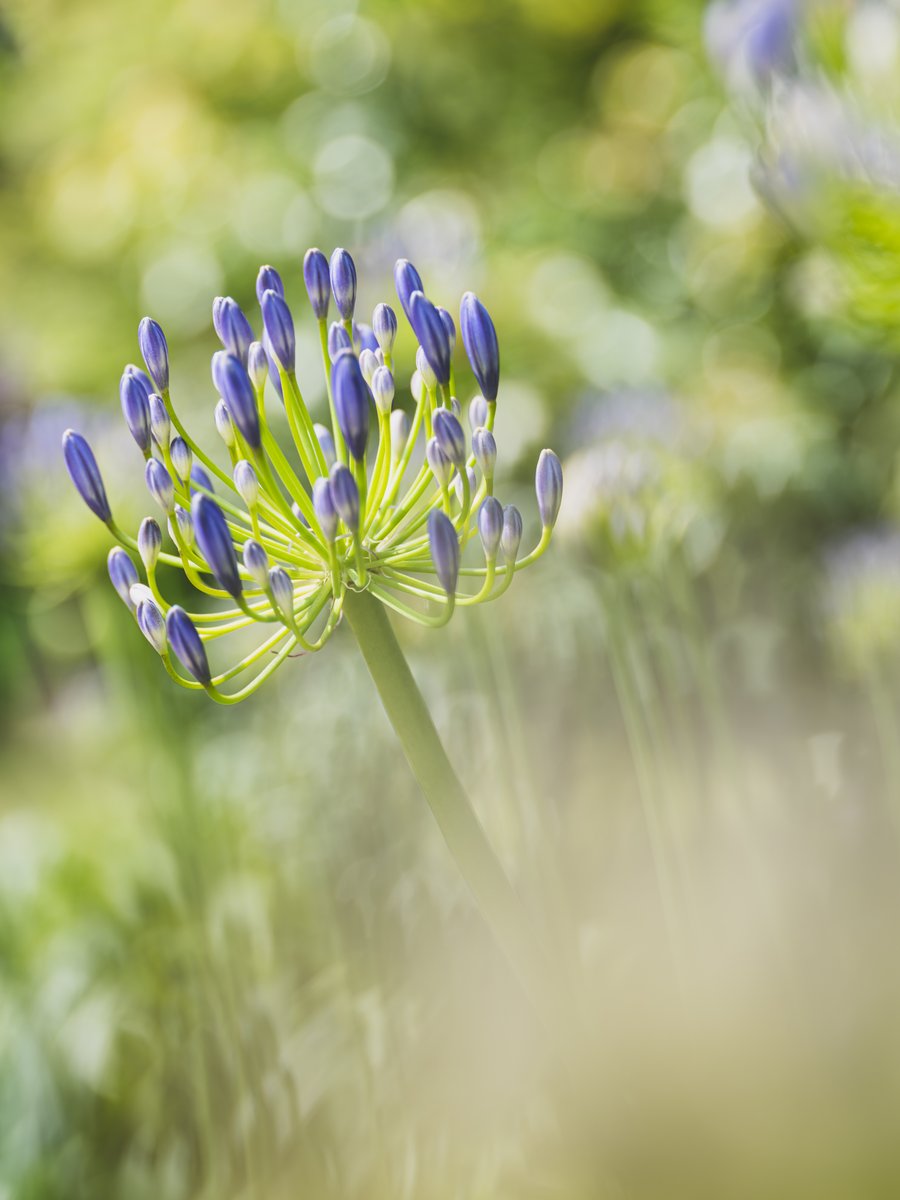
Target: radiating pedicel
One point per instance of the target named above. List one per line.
(272, 547)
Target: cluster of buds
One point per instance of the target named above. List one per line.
(281, 546)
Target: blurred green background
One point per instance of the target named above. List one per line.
(236, 960)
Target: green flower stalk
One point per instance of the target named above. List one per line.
(347, 524)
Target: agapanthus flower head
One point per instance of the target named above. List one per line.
(275, 540)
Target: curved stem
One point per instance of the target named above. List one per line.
(499, 904)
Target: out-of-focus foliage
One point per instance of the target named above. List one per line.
(235, 960)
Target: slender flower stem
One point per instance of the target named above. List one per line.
(499, 904)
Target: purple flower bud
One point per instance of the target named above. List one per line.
(200, 479)
(416, 383)
(478, 412)
(182, 459)
(382, 385)
(234, 330)
(338, 340)
(160, 485)
(279, 329)
(368, 364)
(268, 280)
(406, 280)
(318, 282)
(224, 427)
(444, 546)
(480, 340)
(122, 573)
(186, 644)
(548, 484)
(85, 474)
(142, 376)
(160, 424)
(326, 441)
(136, 409)
(343, 282)
(490, 526)
(399, 431)
(450, 436)
(257, 563)
(364, 337)
(152, 624)
(345, 496)
(217, 367)
(184, 523)
(273, 367)
(154, 352)
(149, 540)
(214, 539)
(351, 403)
(458, 484)
(246, 483)
(449, 326)
(432, 334)
(484, 447)
(257, 365)
(239, 396)
(323, 504)
(512, 533)
(139, 593)
(424, 371)
(384, 325)
(441, 466)
(282, 591)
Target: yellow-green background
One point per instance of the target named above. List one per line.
(235, 958)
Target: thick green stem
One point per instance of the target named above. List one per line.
(499, 904)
